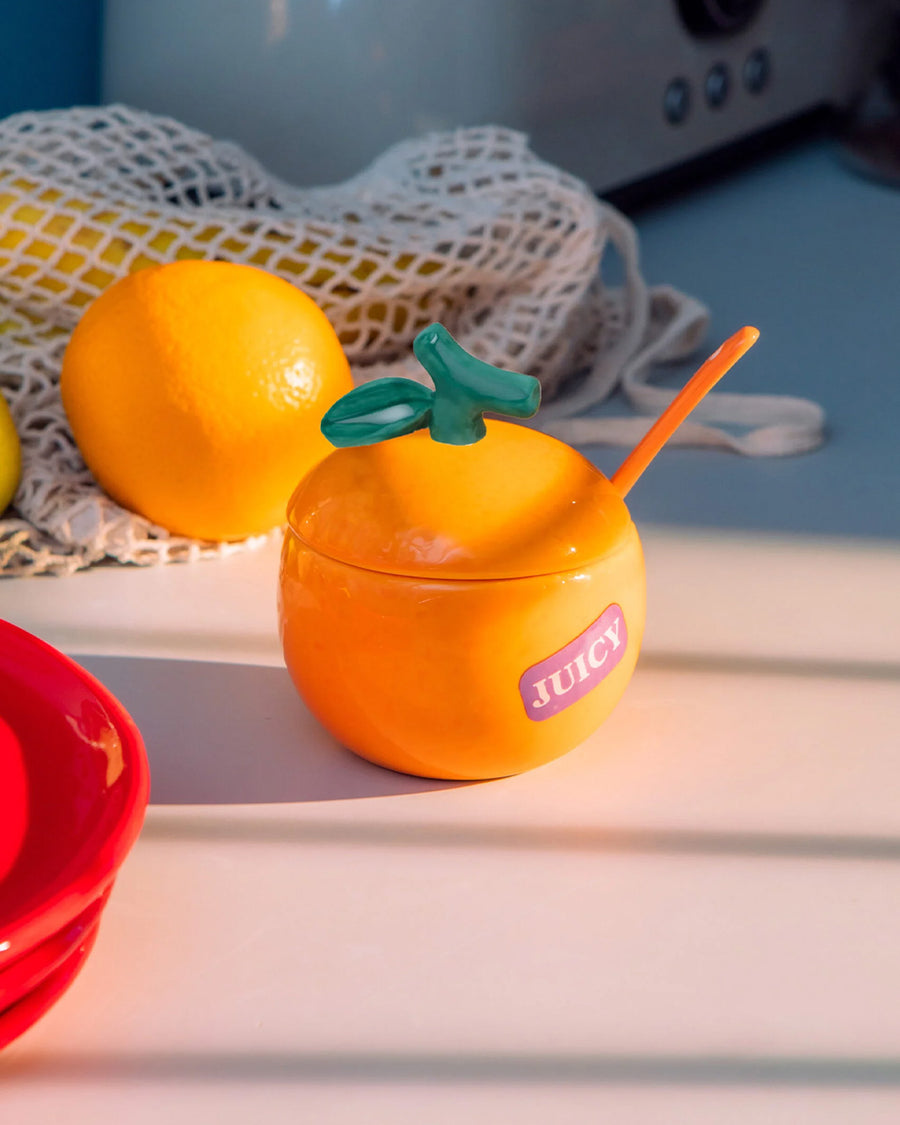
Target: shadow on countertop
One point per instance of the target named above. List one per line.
(237, 734)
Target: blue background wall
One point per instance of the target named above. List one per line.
(50, 54)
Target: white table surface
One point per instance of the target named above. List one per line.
(693, 917)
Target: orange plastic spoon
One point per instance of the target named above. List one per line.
(722, 360)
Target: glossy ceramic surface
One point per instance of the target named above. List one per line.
(87, 781)
(20, 1016)
(32, 968)
(461, 679)
(517, 504)
(13, 799)
(463, 601)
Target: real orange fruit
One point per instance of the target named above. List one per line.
(195, 392)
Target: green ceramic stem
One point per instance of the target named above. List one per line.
(466, 387)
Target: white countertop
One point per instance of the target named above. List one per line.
(692, 917)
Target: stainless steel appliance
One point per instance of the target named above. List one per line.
(613, 90)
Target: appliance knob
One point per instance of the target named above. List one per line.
(718, 17)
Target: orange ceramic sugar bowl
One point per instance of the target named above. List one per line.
(465, 600)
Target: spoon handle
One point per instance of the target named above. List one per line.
(678, 409)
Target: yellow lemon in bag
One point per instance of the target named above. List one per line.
(10, 457)
(195, 390)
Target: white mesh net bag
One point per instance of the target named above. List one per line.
(466, 227)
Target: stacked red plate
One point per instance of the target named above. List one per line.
(74, 786)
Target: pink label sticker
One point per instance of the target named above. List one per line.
(565, 677)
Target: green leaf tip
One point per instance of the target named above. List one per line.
(377, 411)
(464, 389)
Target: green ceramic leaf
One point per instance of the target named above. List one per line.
(376, 411)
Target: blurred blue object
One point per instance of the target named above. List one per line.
(51, 55)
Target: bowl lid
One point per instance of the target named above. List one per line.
(516, 504)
